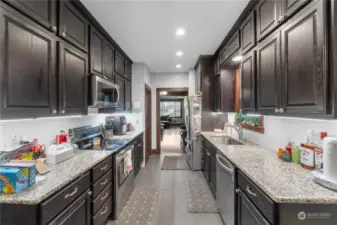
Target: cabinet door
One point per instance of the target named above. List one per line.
(289, 7)
(73, 26)
(248, 38)
(78, 213)
(44, 12)
(247, 213)
(227, 89)
(304, 55)
(213, 174)
(109, 59)
(119, 64)
(207, 165)
(128, 94)
(96, 52)
(72, 80)
(120, 81)
(248, 82)
(233, 44)
(268, 74)
(128, 69)
(267, 13)
(28, 79)
(217, 93)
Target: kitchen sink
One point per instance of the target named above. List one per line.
(226, 140)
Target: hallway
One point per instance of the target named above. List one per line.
(171, 205)
(171, 140)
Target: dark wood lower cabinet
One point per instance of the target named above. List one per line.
(247, 213)
(138, 154)
(212, 168)
(78, 213)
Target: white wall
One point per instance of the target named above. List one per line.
(280, 130)
(164, 80)
(46, 129)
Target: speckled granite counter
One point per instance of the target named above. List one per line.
(281, 181)
(62, 174)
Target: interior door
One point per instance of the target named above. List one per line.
(148, 123)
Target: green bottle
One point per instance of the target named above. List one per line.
(295, 155)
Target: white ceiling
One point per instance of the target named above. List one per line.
(145, 30)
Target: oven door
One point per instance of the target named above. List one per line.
(103, 93)
(124, 166)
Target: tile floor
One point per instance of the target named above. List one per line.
(171, 208)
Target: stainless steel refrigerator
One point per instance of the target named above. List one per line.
(193, 126)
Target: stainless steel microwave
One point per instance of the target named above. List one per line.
(102, 93)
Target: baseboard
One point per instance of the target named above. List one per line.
(155, 151)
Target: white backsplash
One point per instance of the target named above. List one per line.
(279, 130)
(45, 129)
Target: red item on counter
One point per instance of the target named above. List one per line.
(323, 134)
(61, 138)
(288, 149)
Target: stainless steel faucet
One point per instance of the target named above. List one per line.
(238, 129)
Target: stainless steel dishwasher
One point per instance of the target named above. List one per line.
(225, 189)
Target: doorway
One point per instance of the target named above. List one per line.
(148, 123)
(170, 110)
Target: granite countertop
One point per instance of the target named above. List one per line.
(62, 174)
(282, 181)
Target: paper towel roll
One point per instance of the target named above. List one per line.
(330, 158)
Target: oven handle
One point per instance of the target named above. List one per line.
(123, 152)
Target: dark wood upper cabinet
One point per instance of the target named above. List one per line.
(73, 26)
(247, 213)
(304, 54)
(72, 80)
(227, 90)
(268, 74)
(267, 13)
(96, 53)
(217, 93)
(43, 12)
(128, 69)
(120, 81)
(248, 82)
(223, 55)
(128, 95)
(119, 63)
(248, 38)
(233, 44)
(289, 7)
(109, 60)
(28, 68)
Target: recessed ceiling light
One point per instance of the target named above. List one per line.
(163, 93)
(179, 53)
(180, 32)
(237, 58)
(178, 65)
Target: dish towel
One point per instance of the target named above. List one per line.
(128, 162)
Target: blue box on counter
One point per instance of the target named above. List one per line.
(30, 166)
(13, 180)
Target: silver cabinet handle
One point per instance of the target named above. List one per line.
(104, 167)
(89, 193)
(281, 110)
(250, 191)
(54, 111)
(105, 181)
(63, 111)
(105, 210)
(237, 190)
(277, 110)
(105, 196)
(64, 34)
(54, 28)
(71, 194)
(105, 77)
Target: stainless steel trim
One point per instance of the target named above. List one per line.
(250, 191)
(237, 191)
(117, 101)
(71, 194)
(105, 196)
(219, 158)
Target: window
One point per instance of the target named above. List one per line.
(170, 108)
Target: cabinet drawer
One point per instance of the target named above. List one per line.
(101, 168)
(54, 205)
(261, 200)
(103, 213)
(101, 198)
(101, 183)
